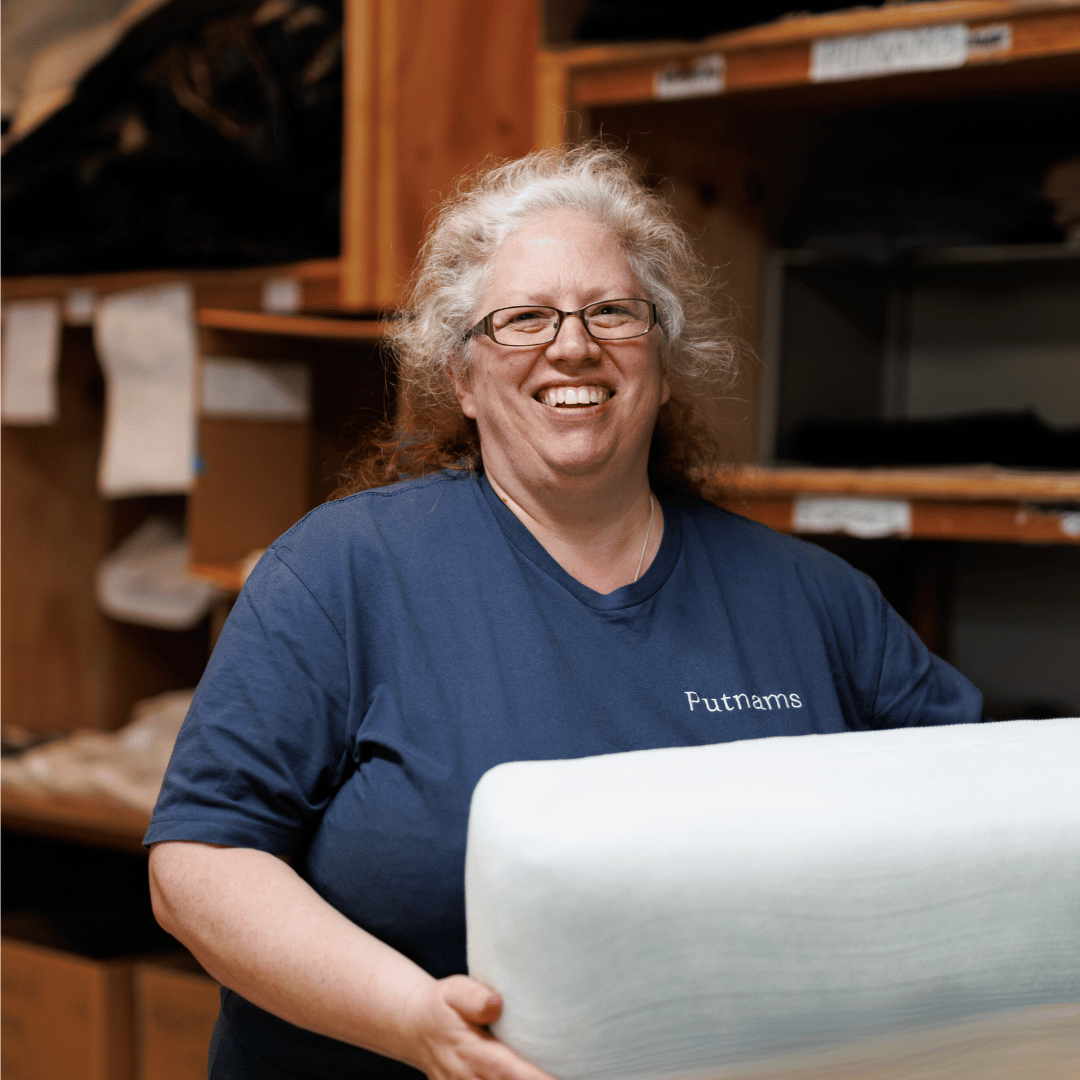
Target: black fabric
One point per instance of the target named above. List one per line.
(206, 137)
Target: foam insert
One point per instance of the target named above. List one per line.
(683, 912)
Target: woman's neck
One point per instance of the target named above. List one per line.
(604, 536)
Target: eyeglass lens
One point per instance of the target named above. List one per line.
(609, 320)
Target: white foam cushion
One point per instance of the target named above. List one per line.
(681, 912)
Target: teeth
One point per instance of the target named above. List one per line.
(570, 395)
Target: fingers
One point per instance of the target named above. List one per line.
(460, 1049)
(476, 1003)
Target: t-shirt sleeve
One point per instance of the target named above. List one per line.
(266, 742)
(900, 683)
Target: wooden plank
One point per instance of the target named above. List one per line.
(552, 94)
(358, 211)
(66, 1015)
(977, 483)
(102, 821)
(176, 1012)
(254, 484)
(465, 92)
(983, 521)
(294, 325)
(389, 260)
(227, 576)
(867, 20)
(241, 287)
(433, 87)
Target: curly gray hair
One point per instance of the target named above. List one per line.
(431, 341)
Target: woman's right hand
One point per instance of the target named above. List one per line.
(450, 1018)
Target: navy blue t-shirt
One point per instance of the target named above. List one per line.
(394, 645)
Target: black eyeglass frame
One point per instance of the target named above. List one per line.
(485, 326)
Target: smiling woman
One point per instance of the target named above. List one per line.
(523, 570)
(435, 342)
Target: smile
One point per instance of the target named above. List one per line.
(577, 396)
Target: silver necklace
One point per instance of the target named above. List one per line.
(648, 533)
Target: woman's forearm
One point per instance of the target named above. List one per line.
(260, 929)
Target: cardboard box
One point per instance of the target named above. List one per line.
(65, 1017)
(176, 1009)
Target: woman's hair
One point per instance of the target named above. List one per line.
(430, 342)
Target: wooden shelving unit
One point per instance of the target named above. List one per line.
(405, 146)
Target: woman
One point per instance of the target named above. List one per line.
(556, 591)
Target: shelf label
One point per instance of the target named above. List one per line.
(79, 304)
(282, 296)
(866, 518)
(890, 52)
(700, 78)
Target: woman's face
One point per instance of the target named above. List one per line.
(564, 261)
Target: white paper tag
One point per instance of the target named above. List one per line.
(700, 78)
(890, 52)
(255, 391)
(145, 340)
(1070, 523)
(989, 39)
(31, 362)
(79, 306)
(282, 296)
(866, 518)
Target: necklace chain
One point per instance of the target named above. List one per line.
(648, 533)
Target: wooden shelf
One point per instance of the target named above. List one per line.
(261, 322)
(229, 577)
(953, 483)
(318, 281)
(104, 822)
(777, 55)
(981, 504)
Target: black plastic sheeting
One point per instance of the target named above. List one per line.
(210, 136)
(874, 183)
(1009, 439)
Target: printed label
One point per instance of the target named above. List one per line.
(867, 518)
(699, 78)
(282, 296)
(927, 48)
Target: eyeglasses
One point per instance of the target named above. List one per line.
(607, 320)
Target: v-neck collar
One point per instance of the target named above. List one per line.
(627, 595)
